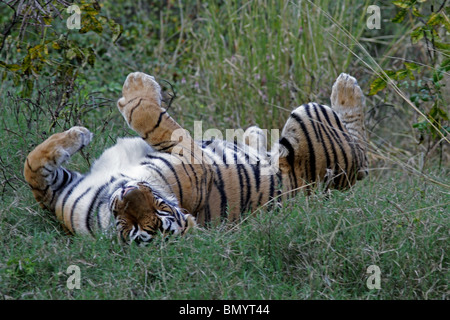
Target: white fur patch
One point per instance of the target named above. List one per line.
(126, 153)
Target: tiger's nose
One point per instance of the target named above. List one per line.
(127, 189)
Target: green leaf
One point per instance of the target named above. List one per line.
(437, 76)
(416, 12)
(10, 67)
(445, 130)
(90, 56)
(390, 73)
(402, 4)
(27, 89)
(13, 67)
(116, 29)
(71, 53)
(442, 46)
(400, 16)
(55, 45)
(376, 86)
(445, 65)
(443, 114)
(411, 66)
(401, 74)
(416, 34)
(435, 18)
(89, 9)
(421, 126)
(91, 23)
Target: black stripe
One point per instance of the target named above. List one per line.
(173, 144)
(158, 123)
(291, 161)
(130, 116)
(312, 156)
(235, 156)
(66, 197)
(325, 132)
(241, 194)
(338, 141)
(75, 204)
(55, 177)
(31, 169)
(280, 186)
(224, 156)
(95, 199)
(168, 164)
(206, 143)
(331, 142)
(244, 204)
(257, 175)
(220, 187)
(349, 171)
(190, 179)
(154, 167)
(272, 187)
(97, 208)
(318, 133)
(199, 185)
(258, 203)
(66, 180)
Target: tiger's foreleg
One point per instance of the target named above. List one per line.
(43, 170)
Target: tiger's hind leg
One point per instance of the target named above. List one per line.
(43, 170)
(141, 108)
(347, 100)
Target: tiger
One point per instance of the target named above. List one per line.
(165, 182)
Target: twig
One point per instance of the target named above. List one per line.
(8, 30)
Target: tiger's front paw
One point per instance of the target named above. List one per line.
(61, 146)
(138, 85)
(75, 139)
(51, 153)
(346, 94)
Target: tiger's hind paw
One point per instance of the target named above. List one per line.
(346, 95)
(139, 85)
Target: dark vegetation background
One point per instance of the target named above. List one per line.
(234, 64)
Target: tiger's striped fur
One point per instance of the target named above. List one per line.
(165, 181)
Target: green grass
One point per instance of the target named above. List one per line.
(312, 248)
(233, 65)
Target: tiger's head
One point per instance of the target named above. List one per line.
(141, 212)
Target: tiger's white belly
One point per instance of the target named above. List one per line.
(86, 203)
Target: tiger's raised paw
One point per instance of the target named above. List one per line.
(346, 95)
(139, 85)
(76, 138)
(60, 146)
